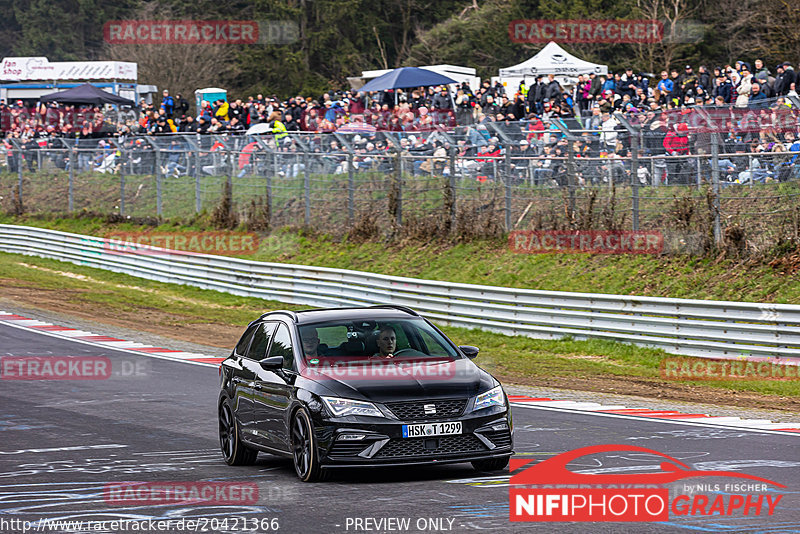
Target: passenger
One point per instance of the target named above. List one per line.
(387, 343)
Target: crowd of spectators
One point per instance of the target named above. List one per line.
(664, 109)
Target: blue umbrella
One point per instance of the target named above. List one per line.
(406, 77)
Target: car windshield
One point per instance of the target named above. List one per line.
(362, 339)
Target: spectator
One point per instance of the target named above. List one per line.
(688, 83)
(761, 72)
(723, 89)
(442, 99)
(553, 90)
(664, 87)
(757, 97)
(744, 88)
(168, 104)
(189, 125)
(181, 106)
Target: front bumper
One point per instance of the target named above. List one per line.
(486, 434)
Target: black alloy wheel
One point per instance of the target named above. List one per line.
(304, 450)
(233, 450)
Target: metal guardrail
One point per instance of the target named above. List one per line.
(705, 328)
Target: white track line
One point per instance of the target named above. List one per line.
(121, 346)
(691, 421)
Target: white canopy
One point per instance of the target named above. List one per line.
(552, 59)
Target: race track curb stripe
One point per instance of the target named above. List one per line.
(108, 341)
(523, 401)
(662, 415)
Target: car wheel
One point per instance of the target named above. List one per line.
(492, 464)
(233, 450)
(304, 448)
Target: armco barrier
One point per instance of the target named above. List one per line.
(705, 328)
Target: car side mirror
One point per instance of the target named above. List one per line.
(469, 351)
(273, 363)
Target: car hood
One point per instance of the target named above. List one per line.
(403, 380)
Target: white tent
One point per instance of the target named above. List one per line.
(552, 59)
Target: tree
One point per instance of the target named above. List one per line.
(679, 32)
(64, 30)
(781, 25)
(181, 68)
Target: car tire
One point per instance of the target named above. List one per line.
(492, 464)
(304, 448)
(233, 450)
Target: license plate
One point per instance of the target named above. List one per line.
(431, 429)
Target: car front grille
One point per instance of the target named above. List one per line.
(401, 448)
(416, 409)
(500, 438)
(342, 449)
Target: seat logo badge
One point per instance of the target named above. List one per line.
(430, 409)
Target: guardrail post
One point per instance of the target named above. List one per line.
(635, 180)
(307, 193)
(121, 181)
(715, 185)
(350, 190)
(70, 186)
(158, 181)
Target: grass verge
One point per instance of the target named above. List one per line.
(774, 279)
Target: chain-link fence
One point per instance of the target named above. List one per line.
(473, 181)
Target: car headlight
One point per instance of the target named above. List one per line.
(493, 397)
(341, 407)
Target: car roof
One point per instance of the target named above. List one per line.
(319, 315)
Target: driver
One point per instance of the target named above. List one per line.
(387, 343)
(311, 346)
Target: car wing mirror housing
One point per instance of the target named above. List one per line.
(273, 363)
(469, 351)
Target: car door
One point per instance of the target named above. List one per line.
(256, 352)
(241, 378)
(273, 391)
